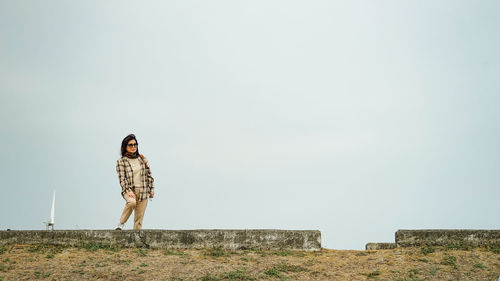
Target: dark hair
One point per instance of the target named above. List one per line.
(125, 142)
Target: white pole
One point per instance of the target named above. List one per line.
(52, 210)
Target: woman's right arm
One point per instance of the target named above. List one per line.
(120, 170)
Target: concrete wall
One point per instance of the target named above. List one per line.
(306, 240)
(380, 246)
(446, 237)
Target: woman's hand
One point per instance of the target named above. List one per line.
(151, 194)
(131, 194)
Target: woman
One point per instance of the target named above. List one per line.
(136, 181)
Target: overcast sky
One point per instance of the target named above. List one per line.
(356, 118)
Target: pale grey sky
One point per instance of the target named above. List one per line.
(356, 118)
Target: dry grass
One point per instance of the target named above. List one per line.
(94, 262)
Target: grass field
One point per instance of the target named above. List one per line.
(97, 262)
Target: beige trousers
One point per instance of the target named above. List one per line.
(139, 207)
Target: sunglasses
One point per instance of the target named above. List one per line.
(132, 144)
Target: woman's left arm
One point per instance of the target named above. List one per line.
(149, 178)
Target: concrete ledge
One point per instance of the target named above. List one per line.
(447, 237)
(304, 240)
(380, 246)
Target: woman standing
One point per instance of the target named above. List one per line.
(136, 182)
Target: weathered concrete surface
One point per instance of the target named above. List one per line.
(447, 237)
(305, 240)
(380, 246)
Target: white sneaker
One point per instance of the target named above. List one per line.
(120, 226)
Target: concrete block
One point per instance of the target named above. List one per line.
(304, 240)
(380, 246)
(447, 237)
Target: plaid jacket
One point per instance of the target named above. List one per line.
(126, 178)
